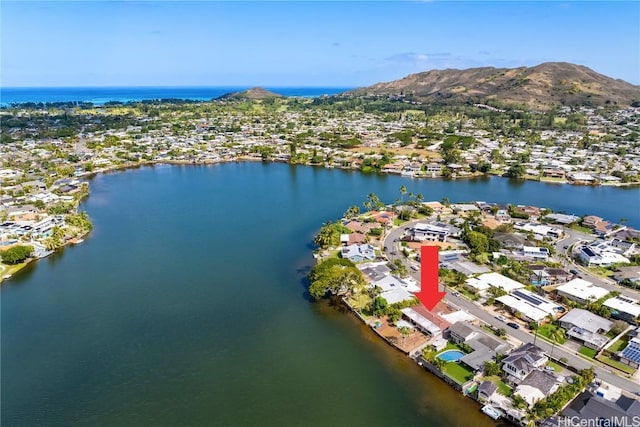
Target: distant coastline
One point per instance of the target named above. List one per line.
(102, 95)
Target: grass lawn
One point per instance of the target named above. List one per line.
(467, 293)
(601, 271)
(581, 228)
(618, 345)
(451, 346)
(546, 330)
(6, 270)
(589, 352)
(398, 221)
(555, 366)
(615, 364)
(360, 301)
(457, 372)
(503, 388)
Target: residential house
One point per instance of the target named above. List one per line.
(628, 273)
(590, 221)
(503, 216)
(631, 353)
(535, 252)
(586, 328)
(581, 291)
(624, 308)
(359, 253)
(425, 321)
(589, 407)
(531, 307)
(600, 255)
(536, 386)
(486, 391)
(522, 361)
(422, 231)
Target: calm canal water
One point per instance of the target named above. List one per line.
(186, 306)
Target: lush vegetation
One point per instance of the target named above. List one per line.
(334, 276)
(16, 254)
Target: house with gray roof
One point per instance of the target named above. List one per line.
(522, 361)
(485, 347)
(536, 386)
(585, 320)
(486, 390)
(359, 253)
(588, 408)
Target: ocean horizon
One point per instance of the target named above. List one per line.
(103, 94)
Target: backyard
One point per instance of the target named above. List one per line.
(457, 372)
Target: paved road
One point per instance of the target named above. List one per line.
(522, 335)
(564, 248)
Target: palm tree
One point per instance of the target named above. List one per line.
(403, 191)
(557, 336)
(439, 363)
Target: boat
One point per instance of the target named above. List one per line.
(492, 412)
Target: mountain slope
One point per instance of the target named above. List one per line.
(543, 86)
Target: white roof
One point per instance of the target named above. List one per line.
(458, 316)
(396, 295)
(516, 304)
(624, 305)
(535, 249)
(421, 226)
(476, 284)
(496, 280)
(388, 283)
(582, 289)
(422, 321)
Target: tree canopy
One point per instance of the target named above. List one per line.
(334, 276)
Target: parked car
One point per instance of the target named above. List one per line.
(501, 318)
(573, 271)
(513, 325)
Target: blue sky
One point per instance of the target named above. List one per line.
(300, 43)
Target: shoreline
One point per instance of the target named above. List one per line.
(128, 166)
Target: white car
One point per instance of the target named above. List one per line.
(501, 318)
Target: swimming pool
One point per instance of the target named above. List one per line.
(451, 355)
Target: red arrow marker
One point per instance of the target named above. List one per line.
(429, 294)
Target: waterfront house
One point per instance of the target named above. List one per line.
(485, 347)
(427, 322)
(536, 386)
(486, 391)
(358, 253)
(522, 361)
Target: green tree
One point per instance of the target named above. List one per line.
(379, 306)
(373, 203)
(518, 402)
(335, 276)
(352, 212)
(491, 368)
(516, 171)
(16, 254)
